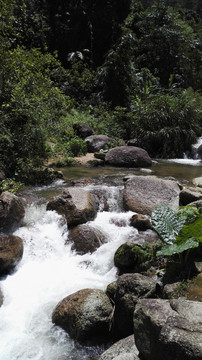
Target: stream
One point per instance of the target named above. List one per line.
(50, 270)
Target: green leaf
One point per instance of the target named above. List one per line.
(177, 248)
(191, 230)
(166, 223)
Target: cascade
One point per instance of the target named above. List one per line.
(48, 272)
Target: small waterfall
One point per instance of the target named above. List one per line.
(48, 272)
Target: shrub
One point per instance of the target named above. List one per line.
(167, 124)
(76, 147)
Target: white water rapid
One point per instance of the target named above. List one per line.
(48, 272)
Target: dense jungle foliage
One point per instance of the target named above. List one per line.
(130, 69)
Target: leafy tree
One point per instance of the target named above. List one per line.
(167, 45)
(30, 106)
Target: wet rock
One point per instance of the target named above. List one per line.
(124, 349)
(111, 290)
(97, 142)
(130, 287)
(11, 211)
(140, 222)
(77, 205)
(168, 329)
(128, 156)
(86, 239)
(190, 195)
(85, 315)
(143, 193)
(82, 130)
(11, 252)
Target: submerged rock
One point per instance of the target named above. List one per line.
(11, 211)
(11, 252)
(143, 193)
(128, 156)
(77, 205)
(85, 315)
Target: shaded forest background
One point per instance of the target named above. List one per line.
(130, 69)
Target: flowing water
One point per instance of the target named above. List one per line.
(50, 270)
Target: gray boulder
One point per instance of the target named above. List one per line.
(11, 252)
(168, 329)
(143, 193)
(140, 222)
(130, 287)
(82, 130)
(198, 181)
(11, 211)
(124, 349)
(85, 315)
(128, 156)
(85, 239)
(77, 205)
(97, 142)
(190, 195)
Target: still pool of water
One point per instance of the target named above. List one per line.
(181, 169)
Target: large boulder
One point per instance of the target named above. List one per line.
(135, 257)
(130, 287)
(11, 211)
(128, 156)
(83, 130)
(97, 142)
(168, 329)
(85, 239)
(143, 193)
(77, 205)
(11, 252)
(124, 349)
(85, 315)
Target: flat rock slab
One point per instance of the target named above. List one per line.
(143, 193)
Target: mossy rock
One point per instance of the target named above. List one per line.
(131, 257)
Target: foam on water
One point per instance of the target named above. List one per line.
(48, 272)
